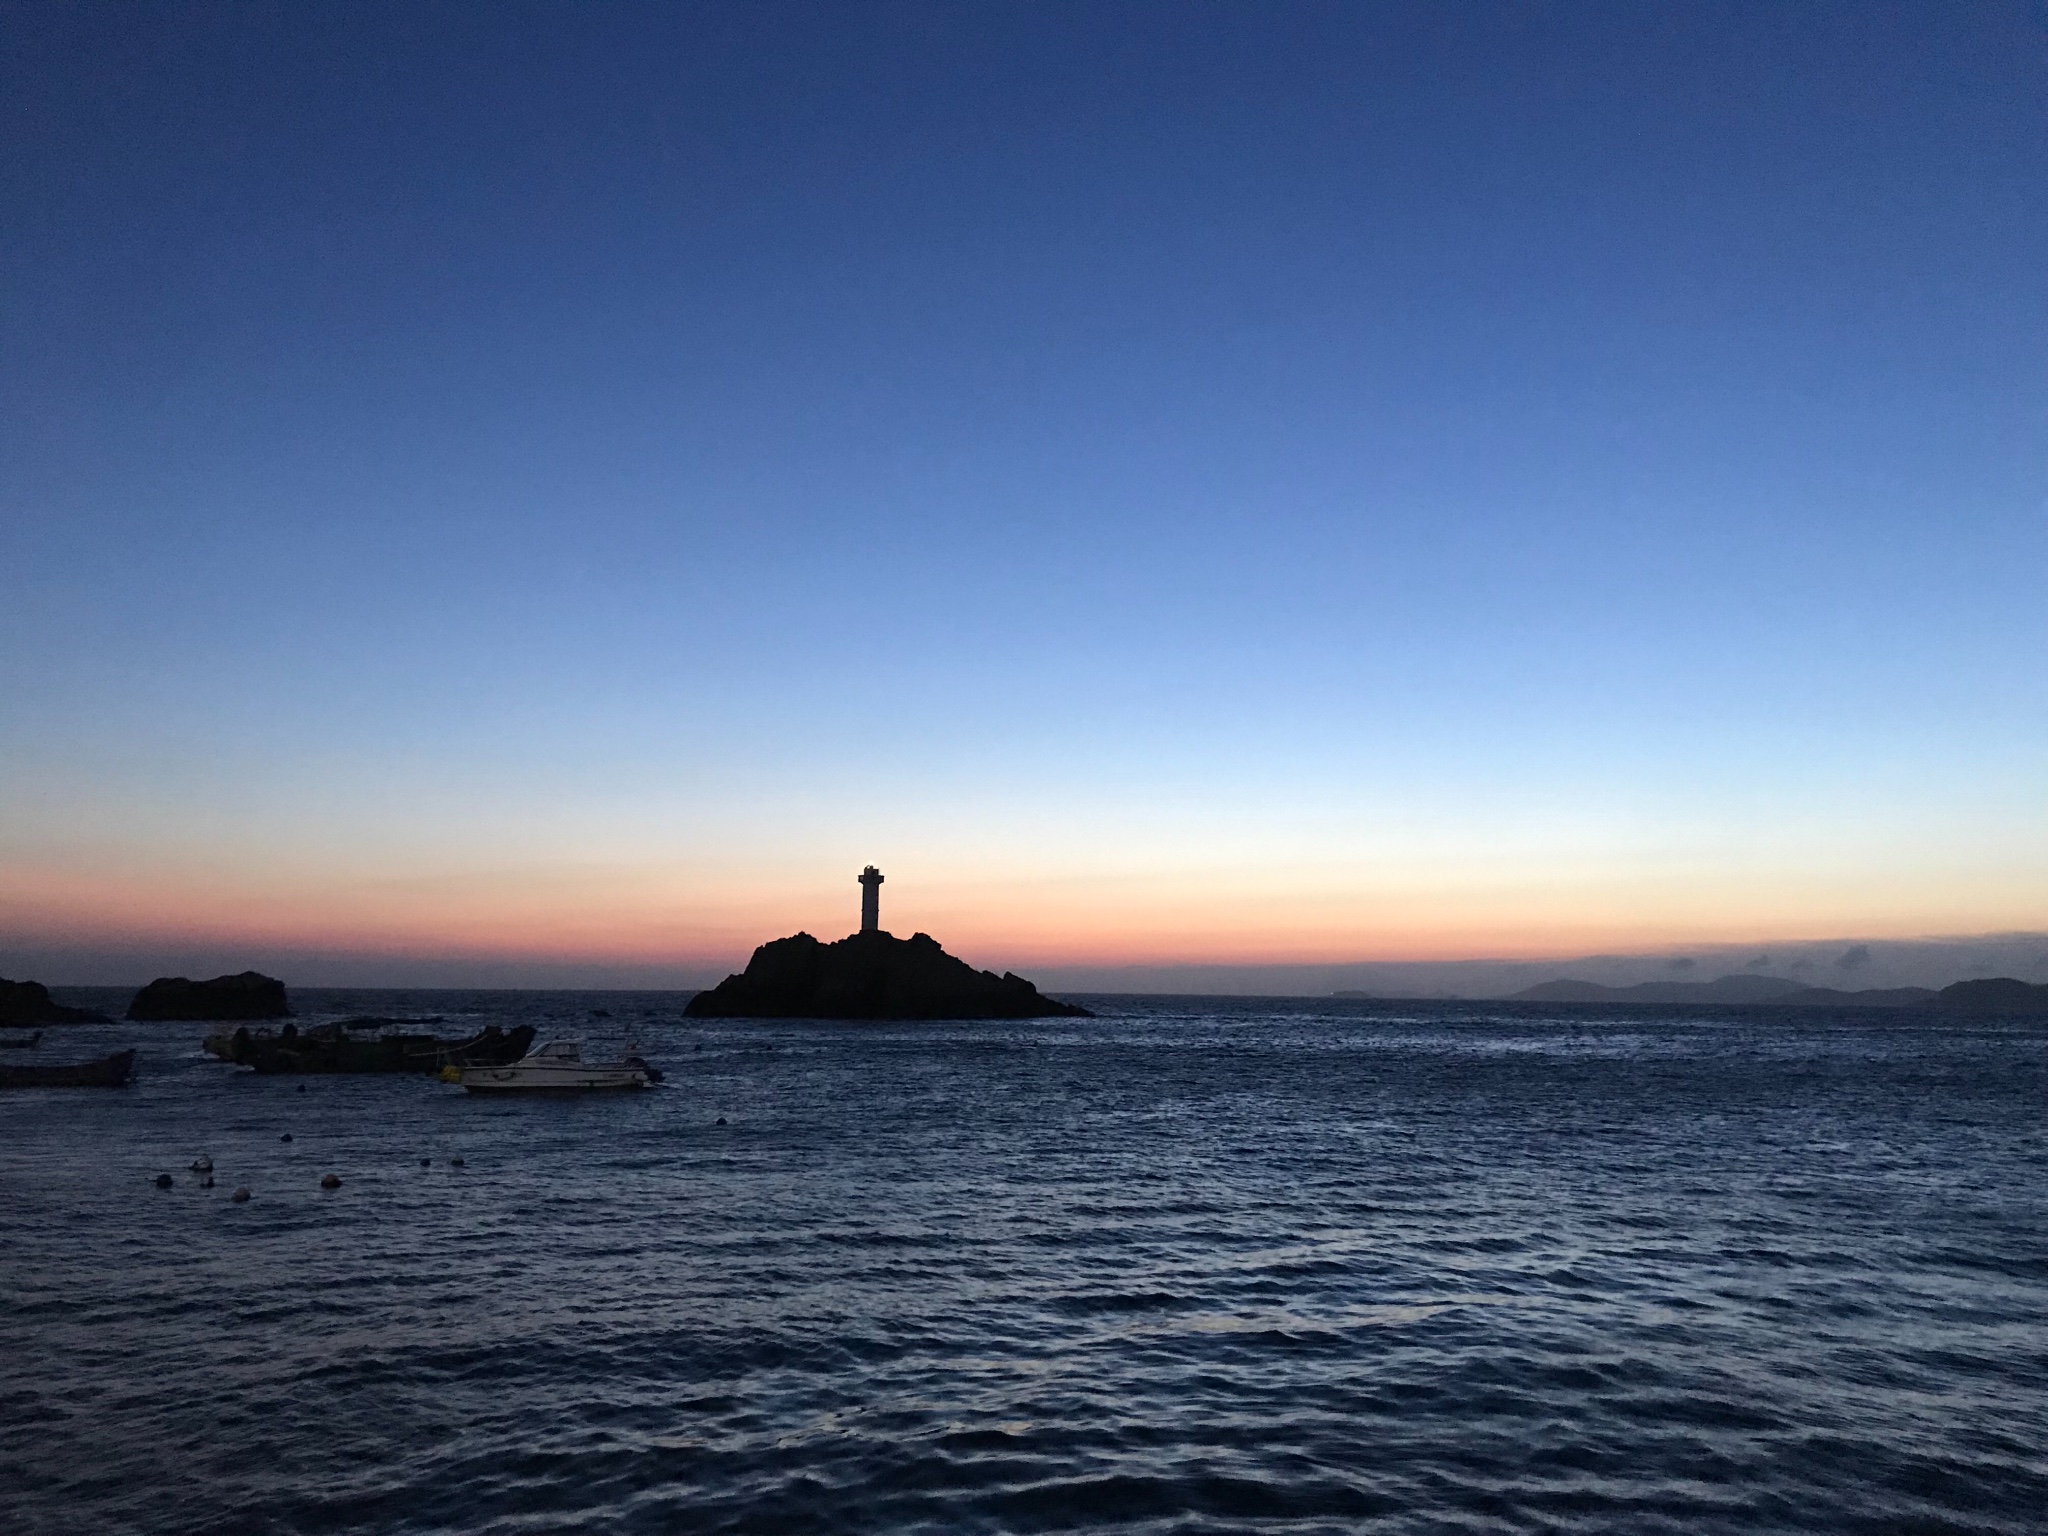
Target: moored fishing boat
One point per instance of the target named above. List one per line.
(559, 1067)
(108, 1072)
(337, 1048)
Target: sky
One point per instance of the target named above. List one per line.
(541, 489)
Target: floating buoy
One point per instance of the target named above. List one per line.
(451, 1073)
(721, 1119)
(202, 1164)
(455, 1162)
(163, 1181)
(426, 1162)
(302, 1087)
(330, 1181)
(240, 1196)
(287, 1136)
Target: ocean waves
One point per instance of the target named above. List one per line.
(1189, 1268)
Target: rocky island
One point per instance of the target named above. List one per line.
(28, 1002)
(871, 974)
(249, 995)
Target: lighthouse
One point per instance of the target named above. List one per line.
(870, 899)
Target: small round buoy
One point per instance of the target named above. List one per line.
(454, 1162)
(163, 1181)
(202, 1164)
(721, 1119)
(302, 1087)
(240, 1196)
(330, 1181)
(287, 1136)
(426, 1162)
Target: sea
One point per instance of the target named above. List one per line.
(1193, 1265)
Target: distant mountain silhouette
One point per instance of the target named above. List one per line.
(1728, 989)
(1403, 997)
(871, 975)
(1995, 994)
(1869, 997)
(1731, 989)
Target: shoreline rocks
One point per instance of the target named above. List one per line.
(28, 1002)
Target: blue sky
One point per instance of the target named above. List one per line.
(1168, 482)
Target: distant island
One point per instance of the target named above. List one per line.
(1999, 995)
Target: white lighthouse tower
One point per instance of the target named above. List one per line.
(870, 900)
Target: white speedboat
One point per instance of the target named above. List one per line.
(559, 1067)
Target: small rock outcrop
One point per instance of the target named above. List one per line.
(247, 996)
(871, 975)
(28, 1002)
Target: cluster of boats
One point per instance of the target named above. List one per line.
(366, 1045)
(492, 1061)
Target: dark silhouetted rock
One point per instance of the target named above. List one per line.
(28, 1002)
(247, 996)
(871, 975)
(1994, 994)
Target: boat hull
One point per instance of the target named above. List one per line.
(550, 1078)
(107, 1072)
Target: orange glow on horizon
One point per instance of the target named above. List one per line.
(660, 917)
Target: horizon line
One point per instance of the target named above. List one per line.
(94, 966)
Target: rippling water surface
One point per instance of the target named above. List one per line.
(1194, 1266)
